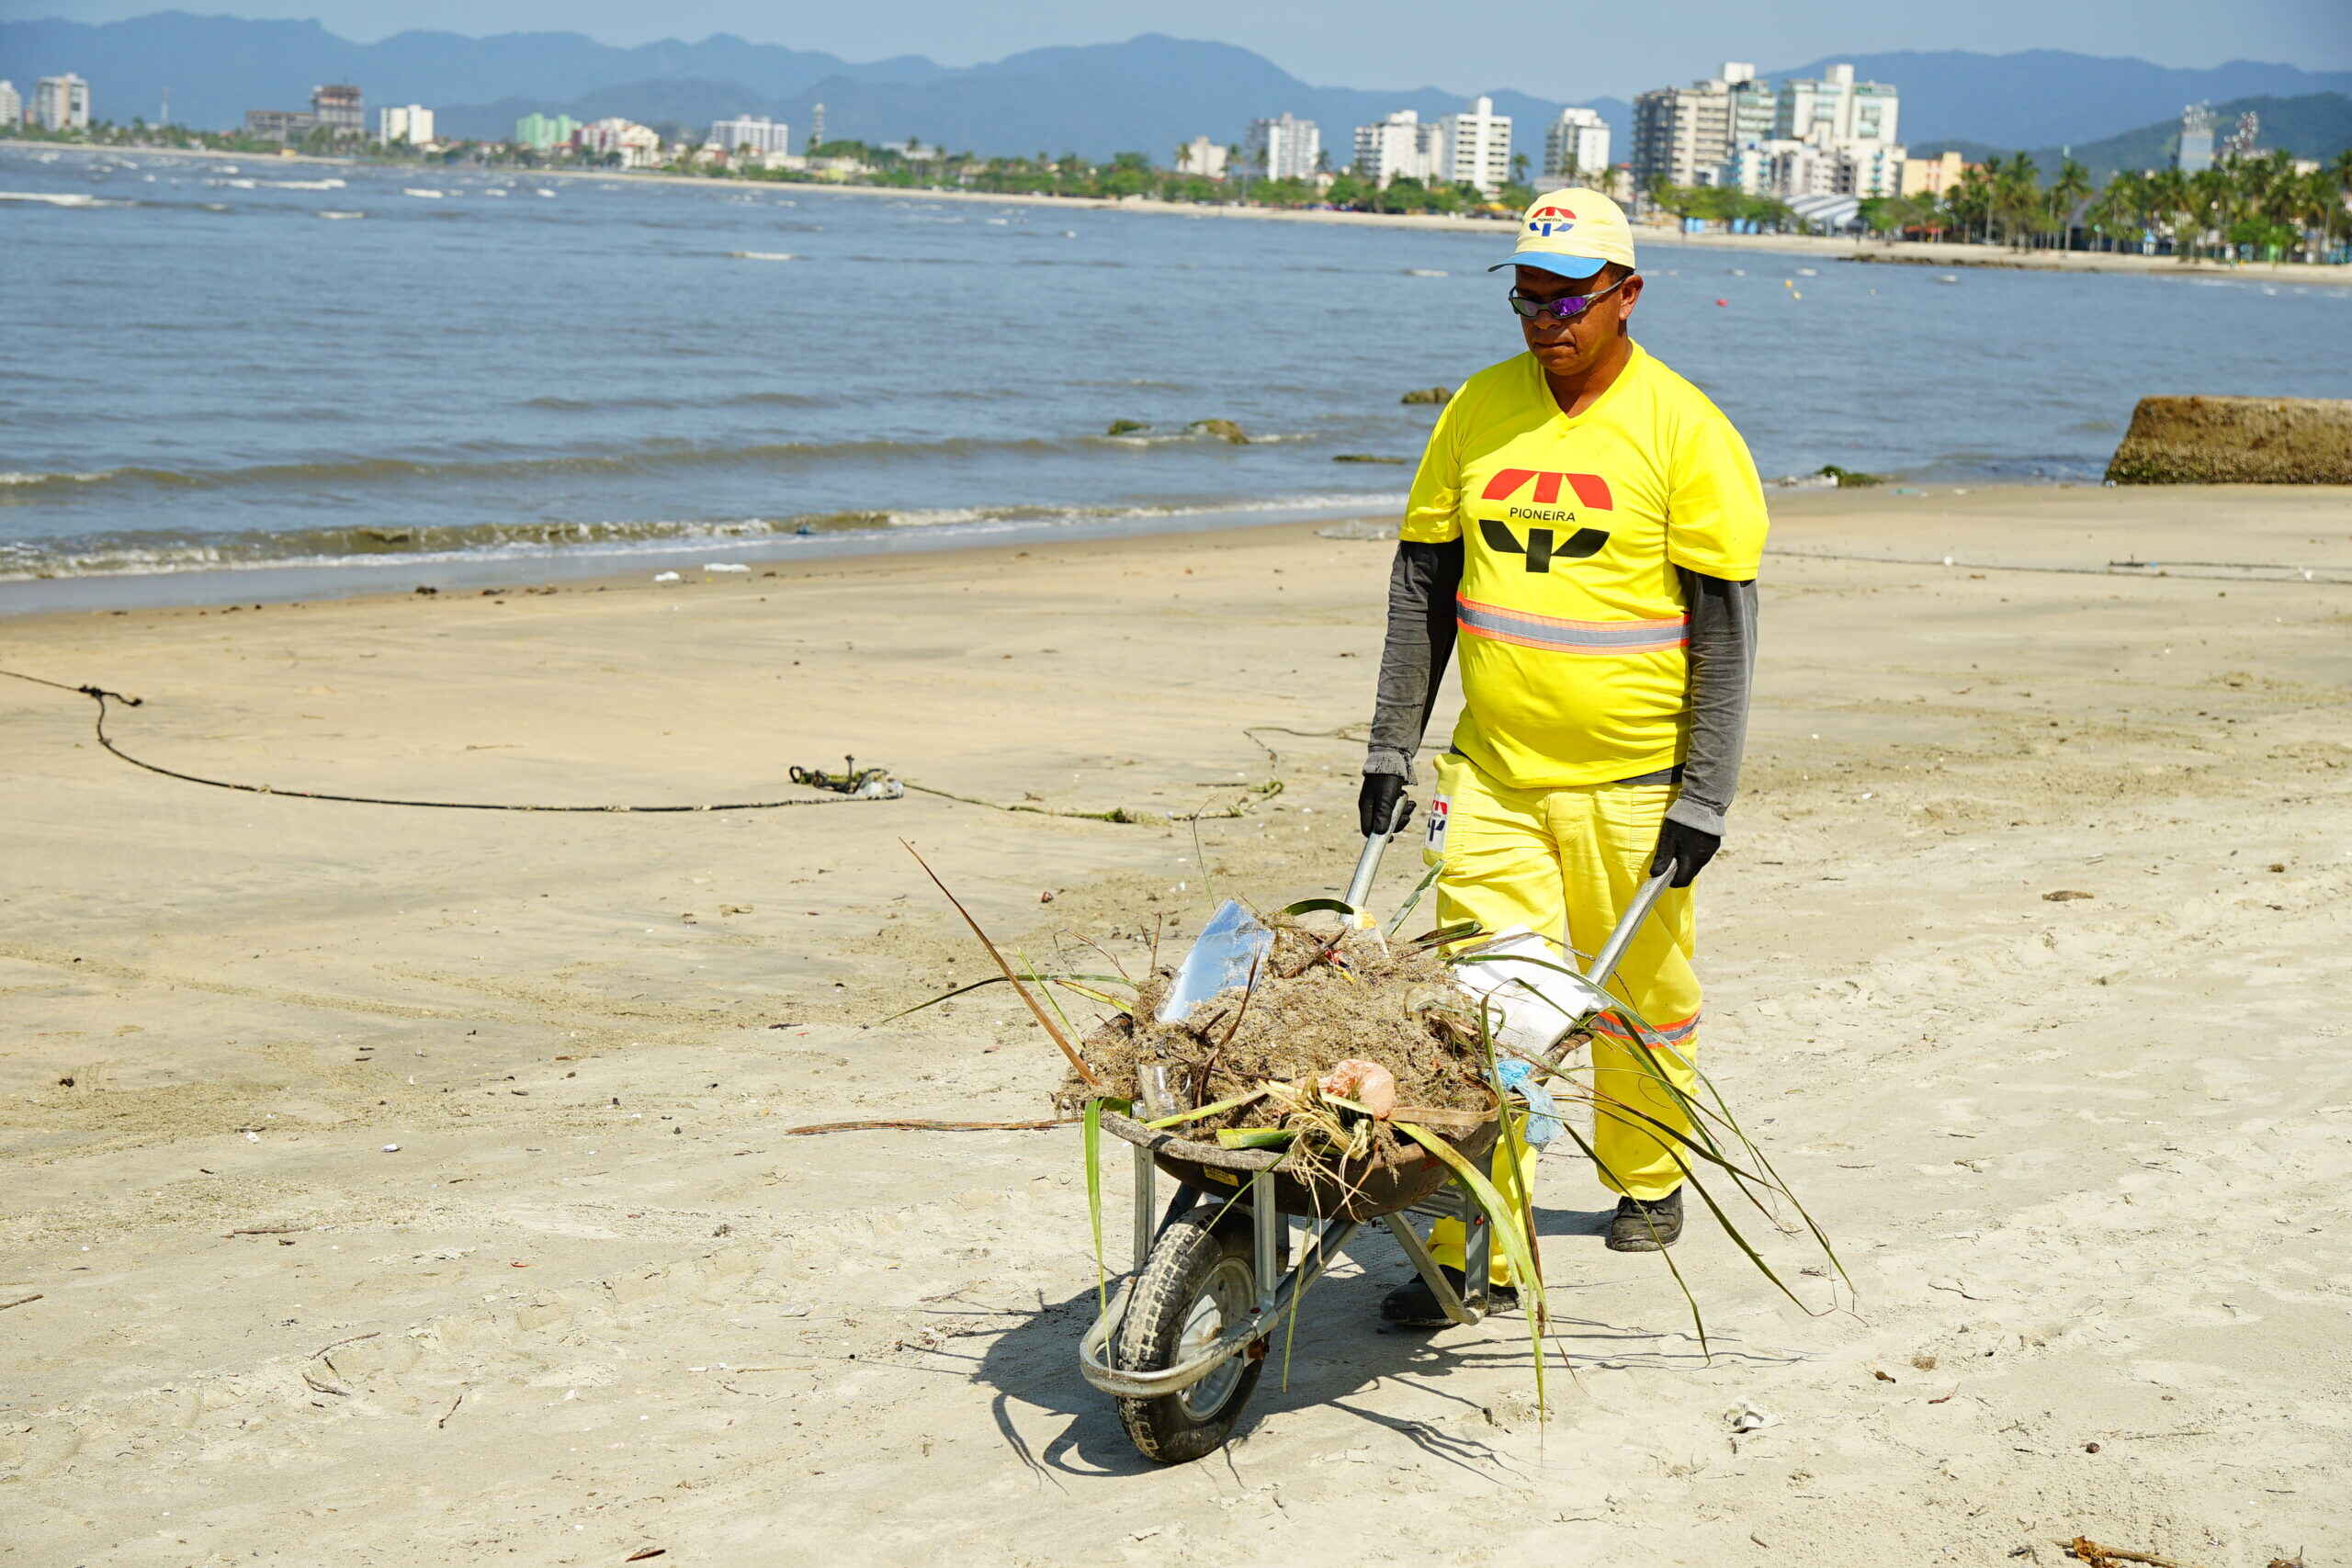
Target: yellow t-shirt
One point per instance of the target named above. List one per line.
(1572, 622)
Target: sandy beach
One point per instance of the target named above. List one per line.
(387, 1185)
(1917, 252)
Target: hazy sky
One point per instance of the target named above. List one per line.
(1463, 45)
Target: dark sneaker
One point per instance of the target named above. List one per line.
(1414, 1304)
(1651, 1226)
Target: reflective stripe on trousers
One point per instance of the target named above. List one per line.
(1543, 858)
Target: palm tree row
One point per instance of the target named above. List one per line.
(2257, 206)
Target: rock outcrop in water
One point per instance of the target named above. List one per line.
(1223, 429)
(1428, 395)
(1125, 428)
(2280, 441)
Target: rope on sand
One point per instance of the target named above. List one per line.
(102, 696)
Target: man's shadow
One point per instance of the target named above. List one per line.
(1336, 1352)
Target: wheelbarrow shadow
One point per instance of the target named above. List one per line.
(1340, 1356)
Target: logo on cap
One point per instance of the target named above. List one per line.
(1547, 220)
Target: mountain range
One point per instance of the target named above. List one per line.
(2313, 125)
(1146, 95)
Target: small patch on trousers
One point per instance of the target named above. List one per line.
(1440, 809)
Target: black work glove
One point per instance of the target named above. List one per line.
(1381, 806)
(1690, 850)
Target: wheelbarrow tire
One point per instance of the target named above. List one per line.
(1199, 1277)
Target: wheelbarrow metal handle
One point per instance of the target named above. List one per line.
(1367, 867)
(1612, 951)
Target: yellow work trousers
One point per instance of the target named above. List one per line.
(1572, 859)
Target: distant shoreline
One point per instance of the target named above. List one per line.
(1920, 253)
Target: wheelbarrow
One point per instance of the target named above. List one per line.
(1182, 1342)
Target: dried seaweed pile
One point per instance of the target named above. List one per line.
(1322, 996)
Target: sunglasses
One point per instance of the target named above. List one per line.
(1567, 308)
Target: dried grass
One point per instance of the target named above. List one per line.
(1321, 997)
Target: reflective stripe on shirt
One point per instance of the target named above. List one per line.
(1560, 636)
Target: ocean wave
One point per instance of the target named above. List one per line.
(151, 553)
(21, 479)
(332, 213)
(721, 400)
(62, 198)
(763, 255)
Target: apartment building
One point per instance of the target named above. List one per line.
(1285, 148)
(545, 132)
(1576, 147)
(336, 107)
(762, 135)
(1823, 136)
(1474, 148)
(61, 102)
(412, 123)
(1202, 157)
(1834, 107)
(1402, 146)
(1685, 135)
(637, 146)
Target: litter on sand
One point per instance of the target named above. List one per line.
(1304, 1012)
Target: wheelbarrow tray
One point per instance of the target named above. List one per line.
(1388, 1182)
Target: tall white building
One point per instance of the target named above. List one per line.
(1820, 136)
(1285, 149)
(762, 135)
(1576, 147)
(1830, 136)
(61, 102)
(1834, 107)
(12, 104)
(412, 123)
(1202, 157)
(1685, 135)
(1476, 148)
(1400, 147)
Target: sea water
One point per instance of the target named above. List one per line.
(210, 366)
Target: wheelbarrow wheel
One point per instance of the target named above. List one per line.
(1198, 1283)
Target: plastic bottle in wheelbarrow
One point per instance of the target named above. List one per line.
(1221, 956)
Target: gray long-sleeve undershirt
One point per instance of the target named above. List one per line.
(1722, 654)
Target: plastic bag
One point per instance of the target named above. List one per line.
(1543, 1111)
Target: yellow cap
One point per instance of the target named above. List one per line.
(1574, 232)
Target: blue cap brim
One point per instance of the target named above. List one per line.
(1567, 266)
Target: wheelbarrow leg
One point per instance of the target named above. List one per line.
(1145, 1225)
(1477, 1252)
(1267, 1234)
(1460, 1311)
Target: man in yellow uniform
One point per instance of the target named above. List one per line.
(1589, 526)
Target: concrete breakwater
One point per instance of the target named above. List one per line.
(2175, 440)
